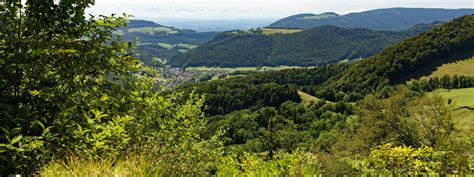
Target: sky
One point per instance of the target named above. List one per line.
(254, 9)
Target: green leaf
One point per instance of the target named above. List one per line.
(104, 97)
(40, 124)
(16, 130)
(5, 131)
(16, 139)
(79, 127)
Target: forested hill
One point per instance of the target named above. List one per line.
(393, 19)
(321, 45)
(411, 58)
(142, 23)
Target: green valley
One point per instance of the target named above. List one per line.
(158, 41)
(80, 97)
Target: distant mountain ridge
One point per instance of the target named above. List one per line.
(392, 19)
(142, 23)
(317, 46)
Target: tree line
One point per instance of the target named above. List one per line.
(445, 82)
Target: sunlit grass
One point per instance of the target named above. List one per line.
(463, 99)
(464, 119)
(78, 167)
(152, 30)
(165, 45)
(460, 68)
(307, 99)
(460, 97)
(270, 31)
(265, 68)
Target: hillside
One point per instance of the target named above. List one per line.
(433, 51)
(393, 19)
(161, 42)
(311, 119)
(317, 46)
(141, 23)
(426, 52)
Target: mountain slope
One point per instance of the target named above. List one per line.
(321, 45)
(393, 19)
(142, 23)
(443, 47)
(411, 58)
(351, 81)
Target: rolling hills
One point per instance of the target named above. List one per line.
(161, 42)
(393, 19)
(404, 61)
(300, 94)
(321, 45)
(440, 46)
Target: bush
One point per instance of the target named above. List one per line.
(389, 160)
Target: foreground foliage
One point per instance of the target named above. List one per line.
(68, 88)
(389, 160)
(230, 165)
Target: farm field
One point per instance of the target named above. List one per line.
(270, 31)
(265, 68)
(152, 30)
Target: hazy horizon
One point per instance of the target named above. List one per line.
(212, 10)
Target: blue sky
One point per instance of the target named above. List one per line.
(254, 9)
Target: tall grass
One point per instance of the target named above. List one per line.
(80, 167)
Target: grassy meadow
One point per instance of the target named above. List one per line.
(270, 31)
(319, 17)
(152, 30)
(460, 97)
(463, 100)
(307, 98)
(460, 68)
